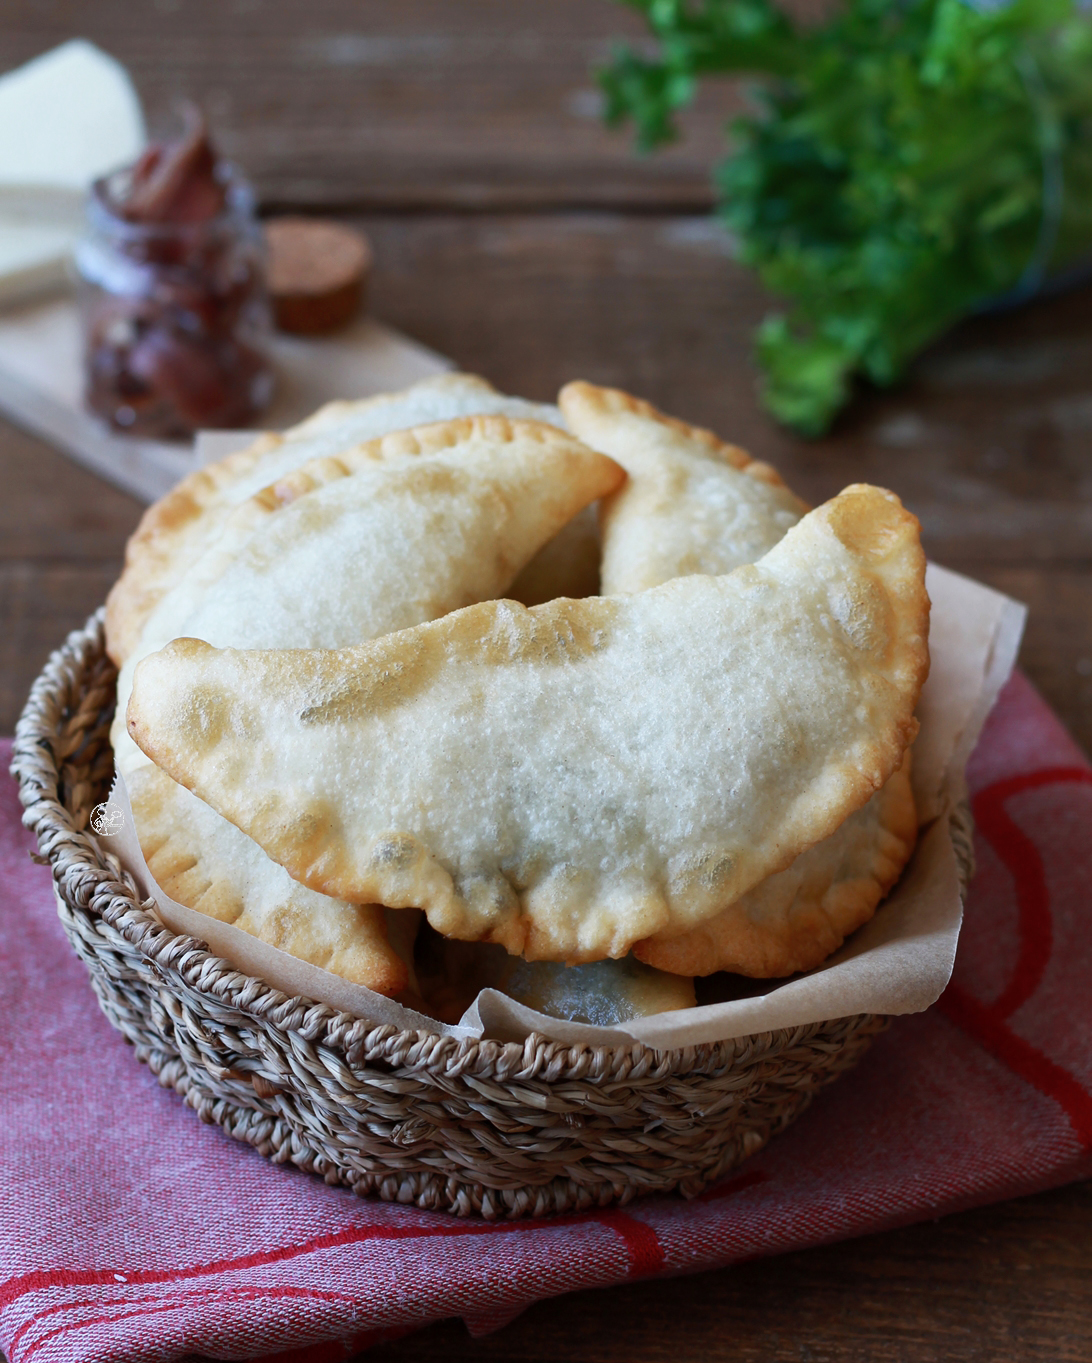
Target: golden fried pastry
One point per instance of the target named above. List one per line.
(207, 864)
(691, 504)
(570, 780)
(384, 535)
(392, 533)
(794, 919)
(176, 530)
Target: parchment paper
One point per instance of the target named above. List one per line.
(897, 963)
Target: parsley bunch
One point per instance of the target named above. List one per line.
(910, 161)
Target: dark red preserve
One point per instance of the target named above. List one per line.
(172, 291)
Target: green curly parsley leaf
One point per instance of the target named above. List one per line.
(912, 160)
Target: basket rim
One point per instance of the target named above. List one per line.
(93, 880)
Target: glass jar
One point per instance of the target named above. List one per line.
(175, 315)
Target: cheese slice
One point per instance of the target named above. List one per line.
(66, 118)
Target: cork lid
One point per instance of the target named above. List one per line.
(317, 273)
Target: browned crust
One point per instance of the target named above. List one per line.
(824, 912)
(156, 554)
(873, 523)
(578, 397)
(358, 950)
(389, 669)
(434, 438)
(161, 549)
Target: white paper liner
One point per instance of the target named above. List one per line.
(898, 963)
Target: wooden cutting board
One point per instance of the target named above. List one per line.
(41, 386)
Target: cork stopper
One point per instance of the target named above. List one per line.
(317, 273)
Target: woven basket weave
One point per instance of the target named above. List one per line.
(473, 1127)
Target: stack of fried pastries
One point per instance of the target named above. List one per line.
(386, 668)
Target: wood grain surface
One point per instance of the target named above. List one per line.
(517, 236)
(415, 104)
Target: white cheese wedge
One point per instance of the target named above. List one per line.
(66, 118)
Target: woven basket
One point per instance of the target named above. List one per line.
(474, 1127)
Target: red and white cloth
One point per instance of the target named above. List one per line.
(130, 1231)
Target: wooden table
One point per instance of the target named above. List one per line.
(517, 236)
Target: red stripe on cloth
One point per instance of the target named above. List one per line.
(1021, 1057)
(734, 1185)
(105, 1305)
(642, 1244)
(1020, 855)
(987, 1023)
(1032, 780)
(158, 1308)
(43, 1279)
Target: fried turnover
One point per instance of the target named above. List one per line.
(793, 920)
(572, 779)
(386, 535)
(392, 533)
(175, 531)
(207, 864)
(691, 504)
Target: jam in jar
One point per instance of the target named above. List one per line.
(172, 293)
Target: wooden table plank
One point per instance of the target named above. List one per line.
(424, 103)
(988, 440)
(62, 539)
(55, 510)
